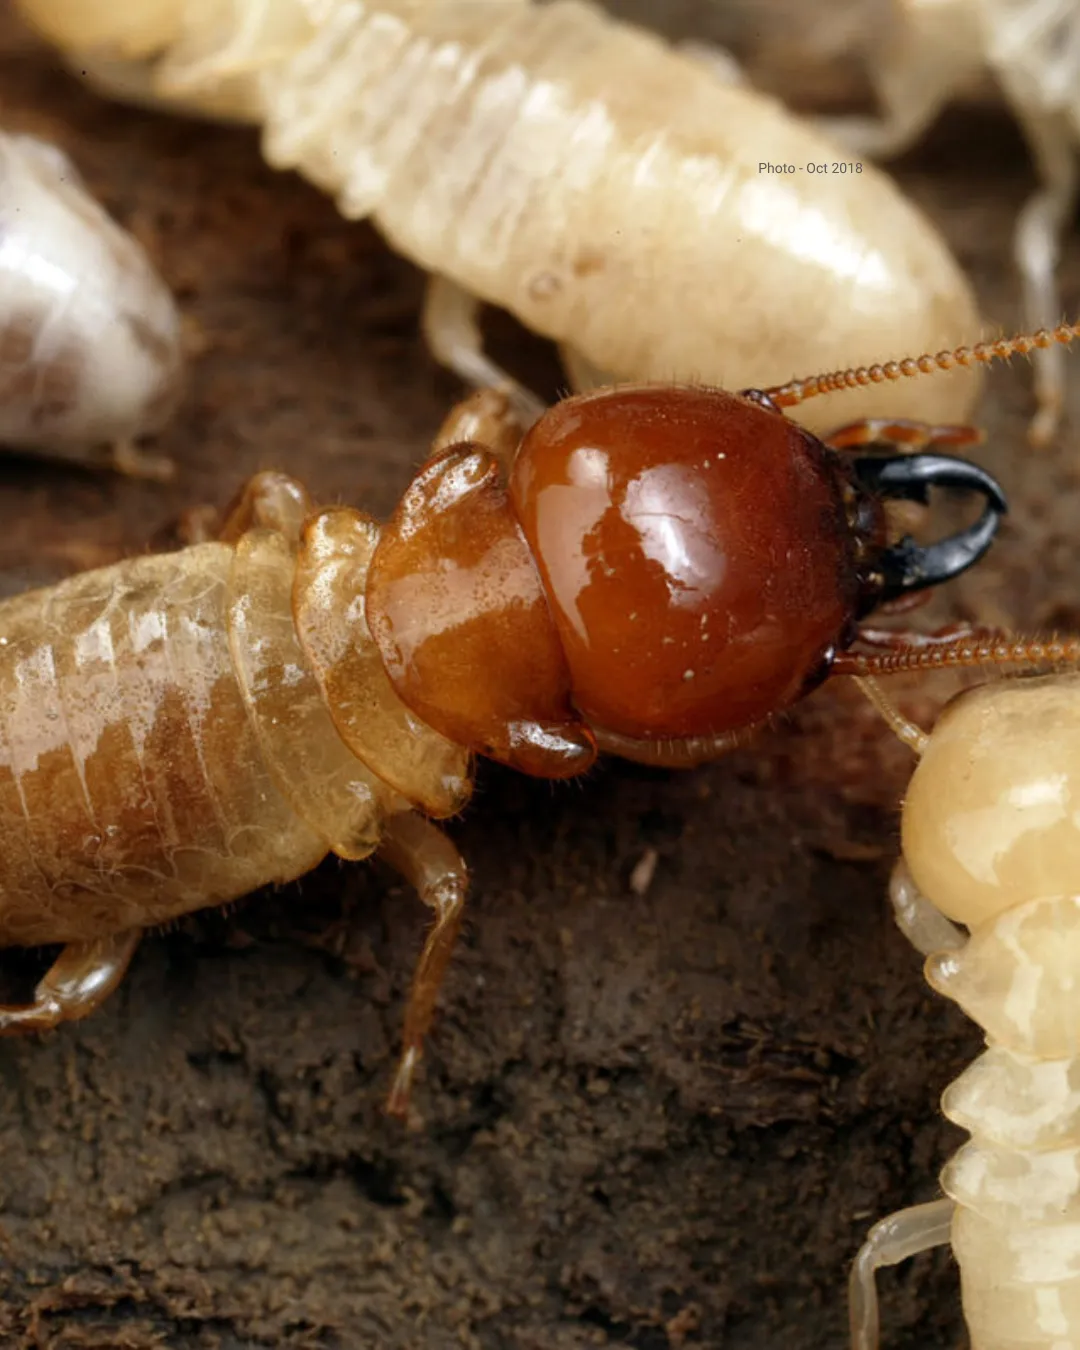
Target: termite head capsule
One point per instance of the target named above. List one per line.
(704, 557)
(665, 563)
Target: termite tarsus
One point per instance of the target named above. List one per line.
(652, 571)
(924, 54)
(991, 841)
(90, 342)
(614, 194)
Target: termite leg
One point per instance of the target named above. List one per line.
(428, 860)
(80, 979)
(905, 1233)
(922, 923)
(876, 138)
(901, 433)
(675, 754)
(904, 604)
(895, 639)
(904, 730)
(485, 418)
(270, 500)
(1037, 248)
(126, 457)
(450, 328)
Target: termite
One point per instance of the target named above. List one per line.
(90, 339)
(991, 841)
(616, 195)
(652, 571)
(926, 53)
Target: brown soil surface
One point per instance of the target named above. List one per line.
(646, 1121)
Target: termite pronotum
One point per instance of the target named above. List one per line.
(651, 571)
(926, 53)
(90, 342)
(991, 841)
(616, 195)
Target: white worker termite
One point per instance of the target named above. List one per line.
(991, 841)
(619, 196)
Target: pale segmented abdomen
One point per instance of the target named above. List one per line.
(611, 193)
(163, 746)
(1016, 1230)
(616, 195)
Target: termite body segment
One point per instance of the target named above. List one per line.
(614, 194)
(90, 342)
(655, 571)
(991, 841)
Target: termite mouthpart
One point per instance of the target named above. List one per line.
(906, 566)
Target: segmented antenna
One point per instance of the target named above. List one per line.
(798, 391)
(993, 650)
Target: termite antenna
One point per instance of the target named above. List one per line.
(798, 391)
(993, 649)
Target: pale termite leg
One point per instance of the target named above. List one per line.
(894, 639)
(912, 736)
(126, 457)
(922, 923)
(877, 138)
(903, 434)
(1037, 247)
(453, 334)
(485, 418)
(686, 753)
(77, 983)
(905, 1233)
(270, 500)
(427, 859)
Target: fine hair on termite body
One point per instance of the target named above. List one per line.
(616, 195)
(991, 842)
(90, 338)
(923, 54)
(180, 729)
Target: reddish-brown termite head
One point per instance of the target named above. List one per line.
(661, 569)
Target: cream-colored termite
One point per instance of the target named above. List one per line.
(924, 54)
(991, 840)
(90, 349)
(614, 194)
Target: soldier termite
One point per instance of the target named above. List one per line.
(615, 195)
(924, 54)
(651, 571)
(991, 841)
(90, 349)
